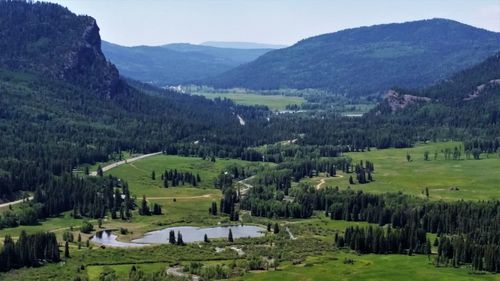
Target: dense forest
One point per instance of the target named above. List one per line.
(368, 60)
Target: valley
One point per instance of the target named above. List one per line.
(366, 153)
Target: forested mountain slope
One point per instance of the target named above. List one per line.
(63, 104)
(464, 107)
(174, 64)
(367, 60)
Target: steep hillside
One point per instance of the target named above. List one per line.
(174, 64)
(50, 40)
(369, 60)
(59, 111)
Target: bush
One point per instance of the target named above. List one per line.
(86, 227)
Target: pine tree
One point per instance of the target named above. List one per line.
(230, 236)
(66, 249)
(276, 229)
(179, 239)
(205, 238)
(100, 173)
(171, 237)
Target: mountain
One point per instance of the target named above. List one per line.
(62, 104)
(176, 63)
(28, 34)
(242, 45)
(367, 60)
(465, 106)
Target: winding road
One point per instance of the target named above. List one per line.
(126, 161)
(93, 174)
(3, 205)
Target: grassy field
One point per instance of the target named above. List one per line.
(182, 205)
(138, 174)
(475, 179)
(274, 102)
(366, 268)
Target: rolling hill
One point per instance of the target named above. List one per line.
(178, 63)
(368, 60)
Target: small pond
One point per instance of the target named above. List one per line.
(107, 238)
(189, 234)
(196, 234)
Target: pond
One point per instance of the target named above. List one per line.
(196, 234)
(189, 234)
(107, 238)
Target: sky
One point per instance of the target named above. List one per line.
(156, 22)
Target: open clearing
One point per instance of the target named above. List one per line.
(475, 179)
(366, 268)
(274, 102)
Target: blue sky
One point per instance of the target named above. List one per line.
(155, 22)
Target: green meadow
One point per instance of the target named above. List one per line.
(466, 179)
(138, 174)
(366, 268)
(273, 102)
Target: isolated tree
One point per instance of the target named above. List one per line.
(99, 171)
(153, 175)
(351, 180)
(66, 249)
(230, 236)
(144, 209)
(276, 229)
(205, 238)
(426, 155)
(171, 237)
(408, 157)
(179, 239)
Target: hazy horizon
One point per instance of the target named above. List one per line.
(151, 22)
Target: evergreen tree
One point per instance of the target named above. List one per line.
(171, 237)
(276, 229)
(66, 249)
(100, 173)
(179, 239)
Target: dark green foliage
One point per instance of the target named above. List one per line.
(384, 241)
(66, 249)
(177, 178)
(276, 228)
(86, 227)
(171, 237)
(180, 242)
(230, 236)
(366, 60)
(29, 250)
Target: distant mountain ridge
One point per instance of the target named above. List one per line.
(178, 63)
(368, 60)
(242, 45)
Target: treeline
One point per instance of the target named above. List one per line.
(480, 253)
(469, 231)
(92, 197)
(29, 250)
(293, 149)
(379, 240)
(175, 178)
